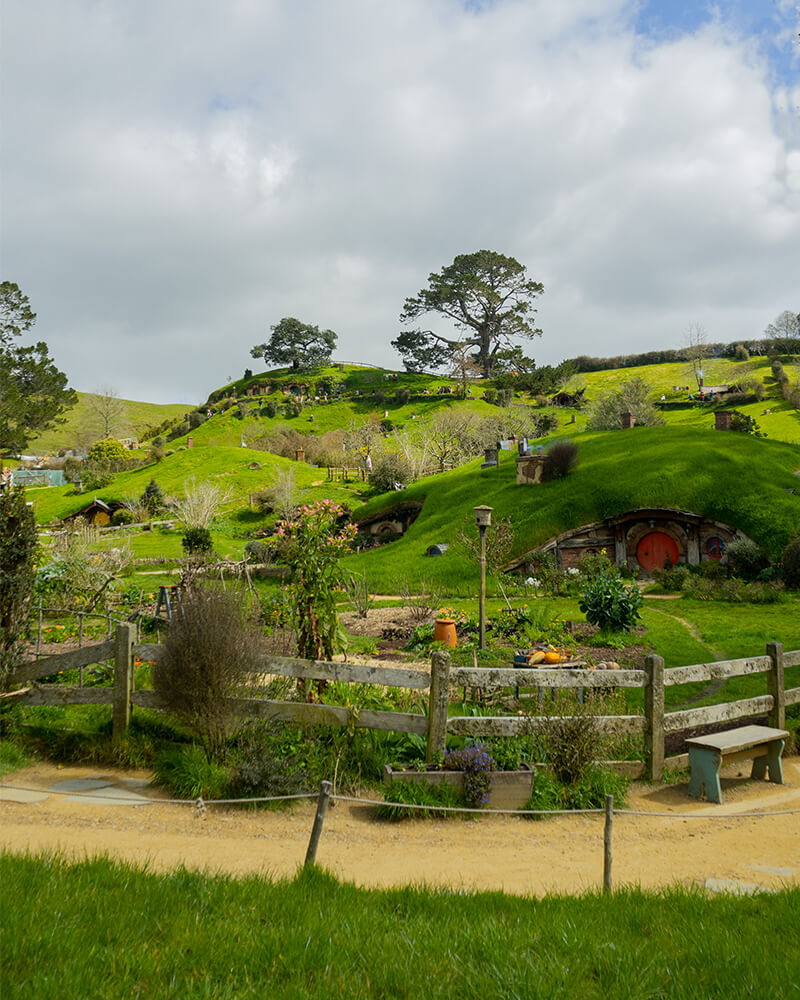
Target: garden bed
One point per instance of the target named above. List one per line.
(509, 789)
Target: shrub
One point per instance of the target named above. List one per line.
(197, 540)
(271, 409)
(18, 541)
(790, 560)
(188, 773)
(195, 419)
(610, 603)
(108, 452)
(746, 558)
(258, 767)
(572, 743)
(152, 497)
(122, 516)
(402, 396)
(389, 468)
(210, 649)
(257, 552)
(745, 424)
(73, 469)
(562, 457)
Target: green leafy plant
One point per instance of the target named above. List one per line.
(189, 773)
(610, 603)
(197, 540)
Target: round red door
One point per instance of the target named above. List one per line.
(654, 549)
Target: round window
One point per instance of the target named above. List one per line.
(715, 547)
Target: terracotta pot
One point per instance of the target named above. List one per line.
(445, 631)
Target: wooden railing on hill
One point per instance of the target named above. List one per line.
(654, 724)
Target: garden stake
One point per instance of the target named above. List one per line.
(319, 819)
(607, 844)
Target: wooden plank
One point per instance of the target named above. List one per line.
(148, 651)
(733, 740)
(792, 696)
(691, 717)
(792, 659)
(64, 694)
(501, 677)
(147, 699)
(517, 725)
(308, 714)
(437, 706)
(678, 762)
(716, 671)
(63, 661)
(354, 673)
(654, 717)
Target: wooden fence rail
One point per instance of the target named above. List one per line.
(654, 724)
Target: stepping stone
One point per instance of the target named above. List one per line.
(109, 795)
(773, 871)
(735, 886)
(21, 795)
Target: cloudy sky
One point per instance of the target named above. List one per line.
(178, 175)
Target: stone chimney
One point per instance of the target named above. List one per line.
(722, 420)
(628, 420)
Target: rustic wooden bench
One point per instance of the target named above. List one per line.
(708, 753)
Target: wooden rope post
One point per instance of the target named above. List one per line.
(775, 686)
(437, 706)
(607, 843)
(123, 681)
(654, 716)
(319, 819)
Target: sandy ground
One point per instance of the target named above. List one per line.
(510, 853)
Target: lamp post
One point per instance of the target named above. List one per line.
(483, 519)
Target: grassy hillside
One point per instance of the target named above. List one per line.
(228, 466)
(134, 418)
(736, 479)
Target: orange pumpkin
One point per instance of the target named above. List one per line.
(552, 657)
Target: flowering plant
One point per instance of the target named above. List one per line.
(311, 545)
(477, 764)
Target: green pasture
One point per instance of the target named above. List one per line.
(97, 929)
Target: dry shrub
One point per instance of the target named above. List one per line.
(572, 742)
(211, 650)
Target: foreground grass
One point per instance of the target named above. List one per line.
(101, 929)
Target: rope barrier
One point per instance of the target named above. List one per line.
(200, 805)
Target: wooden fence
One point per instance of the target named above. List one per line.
(653, 725)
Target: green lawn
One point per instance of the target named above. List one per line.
(99, 929)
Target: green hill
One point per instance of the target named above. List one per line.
(81, 424)
(741, 480)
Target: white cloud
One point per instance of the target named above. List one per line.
(179, 176)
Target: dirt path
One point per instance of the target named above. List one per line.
(499, 852)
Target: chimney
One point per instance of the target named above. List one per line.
(722, 420)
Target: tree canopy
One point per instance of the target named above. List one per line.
(633, 396)
(297, 344)
(785, 331)
(33, 392)
(486, 295)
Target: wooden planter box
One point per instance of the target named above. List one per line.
(509, 789)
